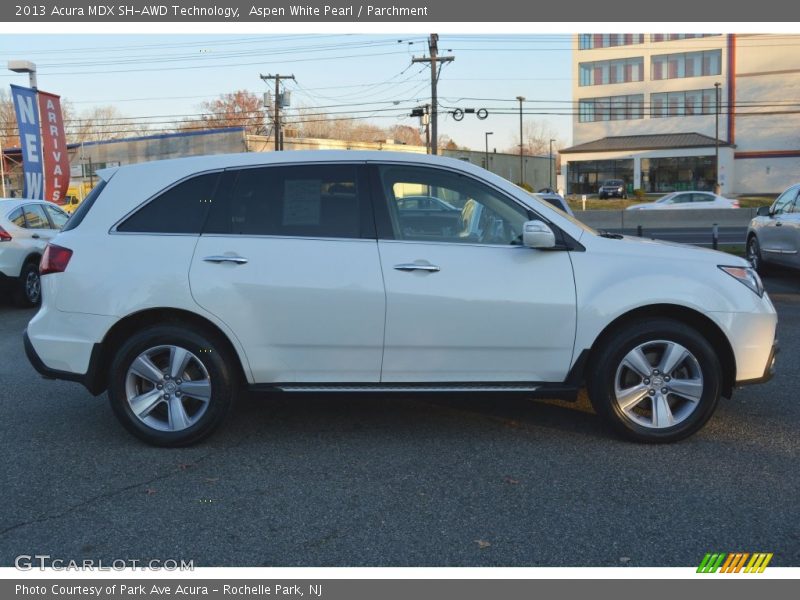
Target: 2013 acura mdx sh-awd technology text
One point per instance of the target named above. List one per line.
(179, 283)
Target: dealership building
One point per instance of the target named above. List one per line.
(655, 110)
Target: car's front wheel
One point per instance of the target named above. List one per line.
(754, 254)
(172, 386)
(655, 380)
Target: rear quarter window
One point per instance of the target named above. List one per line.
(180, 209)
(84, 207)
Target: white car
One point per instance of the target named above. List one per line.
(25, 228)
(178, 283)
(687, 200)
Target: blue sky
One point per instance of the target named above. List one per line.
(158, 78)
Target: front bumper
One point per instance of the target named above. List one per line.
(769, 369)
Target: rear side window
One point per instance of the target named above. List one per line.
(299, 201)
(80, 212)
(35, 217)
(179, 209)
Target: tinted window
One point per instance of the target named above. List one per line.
(58, 217)
(83, 209)
(483, 215)
(784, 201)
(35, 217)
(179, 209)
(17, 218)
(301, 201)
(702, 198)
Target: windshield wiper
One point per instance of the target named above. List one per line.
(609, 235)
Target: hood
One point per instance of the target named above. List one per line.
(662, 250)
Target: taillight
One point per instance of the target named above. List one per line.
(54, 260)
(4, 235)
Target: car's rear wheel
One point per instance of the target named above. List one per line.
(171, 386)
(655, 381)
(29, 286)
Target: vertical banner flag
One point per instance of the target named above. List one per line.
(54, 148)
(30, 140)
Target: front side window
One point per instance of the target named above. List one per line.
(57, 216)
(481, 215)
(180, 209)
(35, 217)
(785, 201)
(298, 201)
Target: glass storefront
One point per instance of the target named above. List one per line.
(586, 176)
(678, 173)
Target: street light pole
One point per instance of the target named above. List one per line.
(24, 66)
(521, 167)
(551, 163)
(717, 187)
(486, 137)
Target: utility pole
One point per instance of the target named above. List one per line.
(277, 106)
(433, 47)
(717, 187)
(2, 170)
(521, 165)
(551, 163)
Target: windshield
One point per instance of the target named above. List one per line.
(613, 182)
(665, 199)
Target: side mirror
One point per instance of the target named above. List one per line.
(763, 211)
(537, 234)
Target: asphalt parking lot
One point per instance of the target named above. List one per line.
(349, 481)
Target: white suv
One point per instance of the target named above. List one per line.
(25, 228)
(176, 284)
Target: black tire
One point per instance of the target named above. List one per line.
(753, 253)
(28, 290)
(608, 366)
(603, 196)
(206, 350)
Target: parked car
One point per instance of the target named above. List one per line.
(178, 283)
(555, 199)
(613, 188)
(25, 228)
(773, 236)
(687, 200)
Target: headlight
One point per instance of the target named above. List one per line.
(747, 276)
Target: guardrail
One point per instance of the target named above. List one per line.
(666, 219)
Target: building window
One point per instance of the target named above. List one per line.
(588, 41)
(670, 37)
(678, 174)
(678, 104)
(613, 108)
(687, 64)
(586, 176)
(611, 71)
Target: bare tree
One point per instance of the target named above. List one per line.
(99, 124)
(9, 136)
(406, 135)
(237, 109)
(536, 136)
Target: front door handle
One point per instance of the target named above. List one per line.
(416, 267)
(35, 236)
(238, 260)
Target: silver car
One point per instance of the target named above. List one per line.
(773, 236)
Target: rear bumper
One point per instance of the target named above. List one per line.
(89, 380)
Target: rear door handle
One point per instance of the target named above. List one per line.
(238, 260)
(416, 267)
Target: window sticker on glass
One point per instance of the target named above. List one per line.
(301, 201)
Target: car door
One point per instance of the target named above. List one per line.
(791, 231)
(470, 305)
(774, 237)
(38, 229)
(289, 261)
